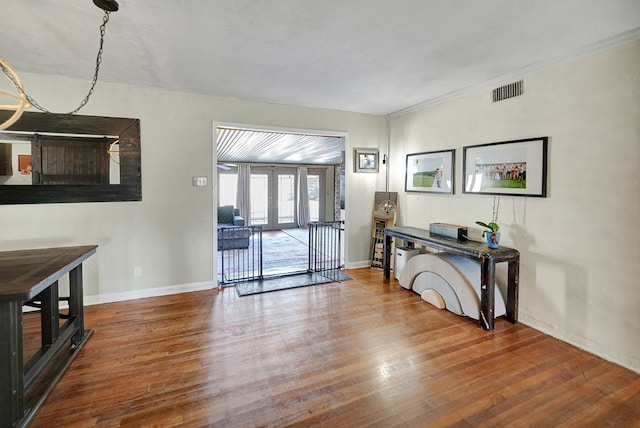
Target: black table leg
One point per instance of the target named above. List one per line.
(76, 305)
(512, 291)
(11, 350)
(386, 260)
(50, 315)
(487, 293)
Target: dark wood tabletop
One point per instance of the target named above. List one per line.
(25, 273)
(464, 248)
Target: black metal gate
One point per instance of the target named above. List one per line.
(325, 249)
(241, 256)
(240, 250)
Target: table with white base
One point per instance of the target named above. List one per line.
(474, 250)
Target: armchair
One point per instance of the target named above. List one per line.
(231, 233)
(229, 216)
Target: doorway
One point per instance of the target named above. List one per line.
(274, 159)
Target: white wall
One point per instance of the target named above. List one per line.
(169, 234)
(580, 269)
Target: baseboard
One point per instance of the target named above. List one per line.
(147, 292)
(358, 265)
(579, 343)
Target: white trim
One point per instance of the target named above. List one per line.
(611, 42)
(358, 265)
(147, 292)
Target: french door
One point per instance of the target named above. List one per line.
(273, 197)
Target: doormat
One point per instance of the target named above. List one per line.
(286, 282)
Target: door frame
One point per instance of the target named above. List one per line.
(214, 188)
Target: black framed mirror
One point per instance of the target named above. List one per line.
(58, 158)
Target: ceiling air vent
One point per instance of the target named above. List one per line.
(511, 90)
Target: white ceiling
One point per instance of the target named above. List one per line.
(369, 56)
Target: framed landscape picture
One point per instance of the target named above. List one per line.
(516, 168)
(431, 172)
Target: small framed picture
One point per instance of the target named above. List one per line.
(431, 172)
(365, 160)
(515, 168)
(25, 164)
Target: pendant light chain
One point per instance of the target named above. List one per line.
(35, 104)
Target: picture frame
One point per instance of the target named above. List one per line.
(25, 164)
(431, 172)
(366, 160)
(514, 168)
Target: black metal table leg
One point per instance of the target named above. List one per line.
(11, 349)
(487, 292)
(76, 305)
(50, 315)
(386, 261)
(512, 290)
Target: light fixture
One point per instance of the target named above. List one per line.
(20, 96)
(107, 5)
(26, 101)
(114, 152)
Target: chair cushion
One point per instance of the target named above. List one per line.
(225, 214)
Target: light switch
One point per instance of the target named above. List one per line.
(199, 181)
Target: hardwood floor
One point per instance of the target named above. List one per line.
(361, 353)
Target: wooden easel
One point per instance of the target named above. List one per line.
(384, 215)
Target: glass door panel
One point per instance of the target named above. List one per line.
(286, 196)
(317, 188)
(259, 199)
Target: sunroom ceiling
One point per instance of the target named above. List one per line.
(252, 146)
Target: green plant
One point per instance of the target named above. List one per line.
(493, 226)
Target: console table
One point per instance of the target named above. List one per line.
(28, 276)
(475, 250)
